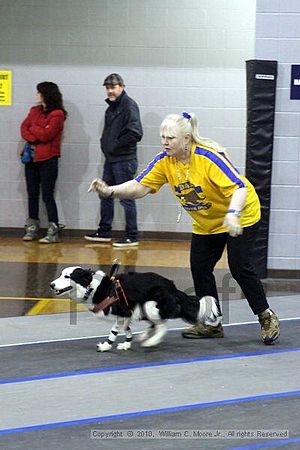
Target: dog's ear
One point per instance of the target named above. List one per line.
(83, 277)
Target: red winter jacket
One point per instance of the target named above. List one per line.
(45, 131)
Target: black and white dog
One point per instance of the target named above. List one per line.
(130, 296)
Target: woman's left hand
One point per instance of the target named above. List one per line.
(232, 222)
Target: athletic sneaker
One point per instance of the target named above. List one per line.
(31, 230)
(269, 326)
(126, 243)
(202, 331)
(52, 236)
(98, 237)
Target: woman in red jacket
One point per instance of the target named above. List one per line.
(43, 129)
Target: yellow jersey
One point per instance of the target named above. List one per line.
(204, 187)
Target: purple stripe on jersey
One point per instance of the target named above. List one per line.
(224, 156)
(151, 165)
(222, 166)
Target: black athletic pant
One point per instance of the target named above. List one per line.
(206, 250)
(42, 174)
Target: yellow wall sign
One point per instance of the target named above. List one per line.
(5, 87)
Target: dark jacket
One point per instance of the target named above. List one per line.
(45, 131)
(122, 129)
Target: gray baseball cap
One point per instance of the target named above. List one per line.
(113, 79)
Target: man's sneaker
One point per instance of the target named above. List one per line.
(269, 326)
(126, 243)
(97, 237)
(202, 331)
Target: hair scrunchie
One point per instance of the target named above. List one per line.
(186, 115)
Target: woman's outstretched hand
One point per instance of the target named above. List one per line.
(99, 186)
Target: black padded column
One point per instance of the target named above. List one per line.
(261, 93)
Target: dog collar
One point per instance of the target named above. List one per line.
(88, 292)
(89, 289)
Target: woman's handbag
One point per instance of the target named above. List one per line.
(27, 154)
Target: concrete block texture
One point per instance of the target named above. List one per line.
(277, 37)
(174, 56)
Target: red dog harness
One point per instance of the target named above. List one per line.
(118, 295)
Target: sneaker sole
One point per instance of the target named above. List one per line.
(271, 341)
(133, 244)
(49, 242)
(195, 336)
(97, 239)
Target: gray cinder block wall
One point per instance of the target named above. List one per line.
(174, 56)
(277, 38)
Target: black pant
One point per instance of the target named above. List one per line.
(206, 250)
(42, 174)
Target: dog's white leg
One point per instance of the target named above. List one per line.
(107, 345)
(137, 314)
(209, 311)
(160, 328)
(126, 345)
(146, 334)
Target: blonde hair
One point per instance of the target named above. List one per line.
(180, 125)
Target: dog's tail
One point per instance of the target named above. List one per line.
(209, 311)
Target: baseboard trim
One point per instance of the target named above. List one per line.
(284, 274)
(143, 235)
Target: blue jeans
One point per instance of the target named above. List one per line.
(117, 173)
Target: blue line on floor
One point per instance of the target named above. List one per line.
(150, 412)
(146, 365)
(269, 444)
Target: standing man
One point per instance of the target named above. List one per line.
(122, 130)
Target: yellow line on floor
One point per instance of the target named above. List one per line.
(49, 305)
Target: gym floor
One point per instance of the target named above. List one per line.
(58, 393)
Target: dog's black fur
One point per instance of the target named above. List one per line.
(140, 288)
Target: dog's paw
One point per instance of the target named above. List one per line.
(158, 334)
(104, 347)
(124, 346)
(145, 334)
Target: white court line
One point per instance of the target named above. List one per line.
(120, 334)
